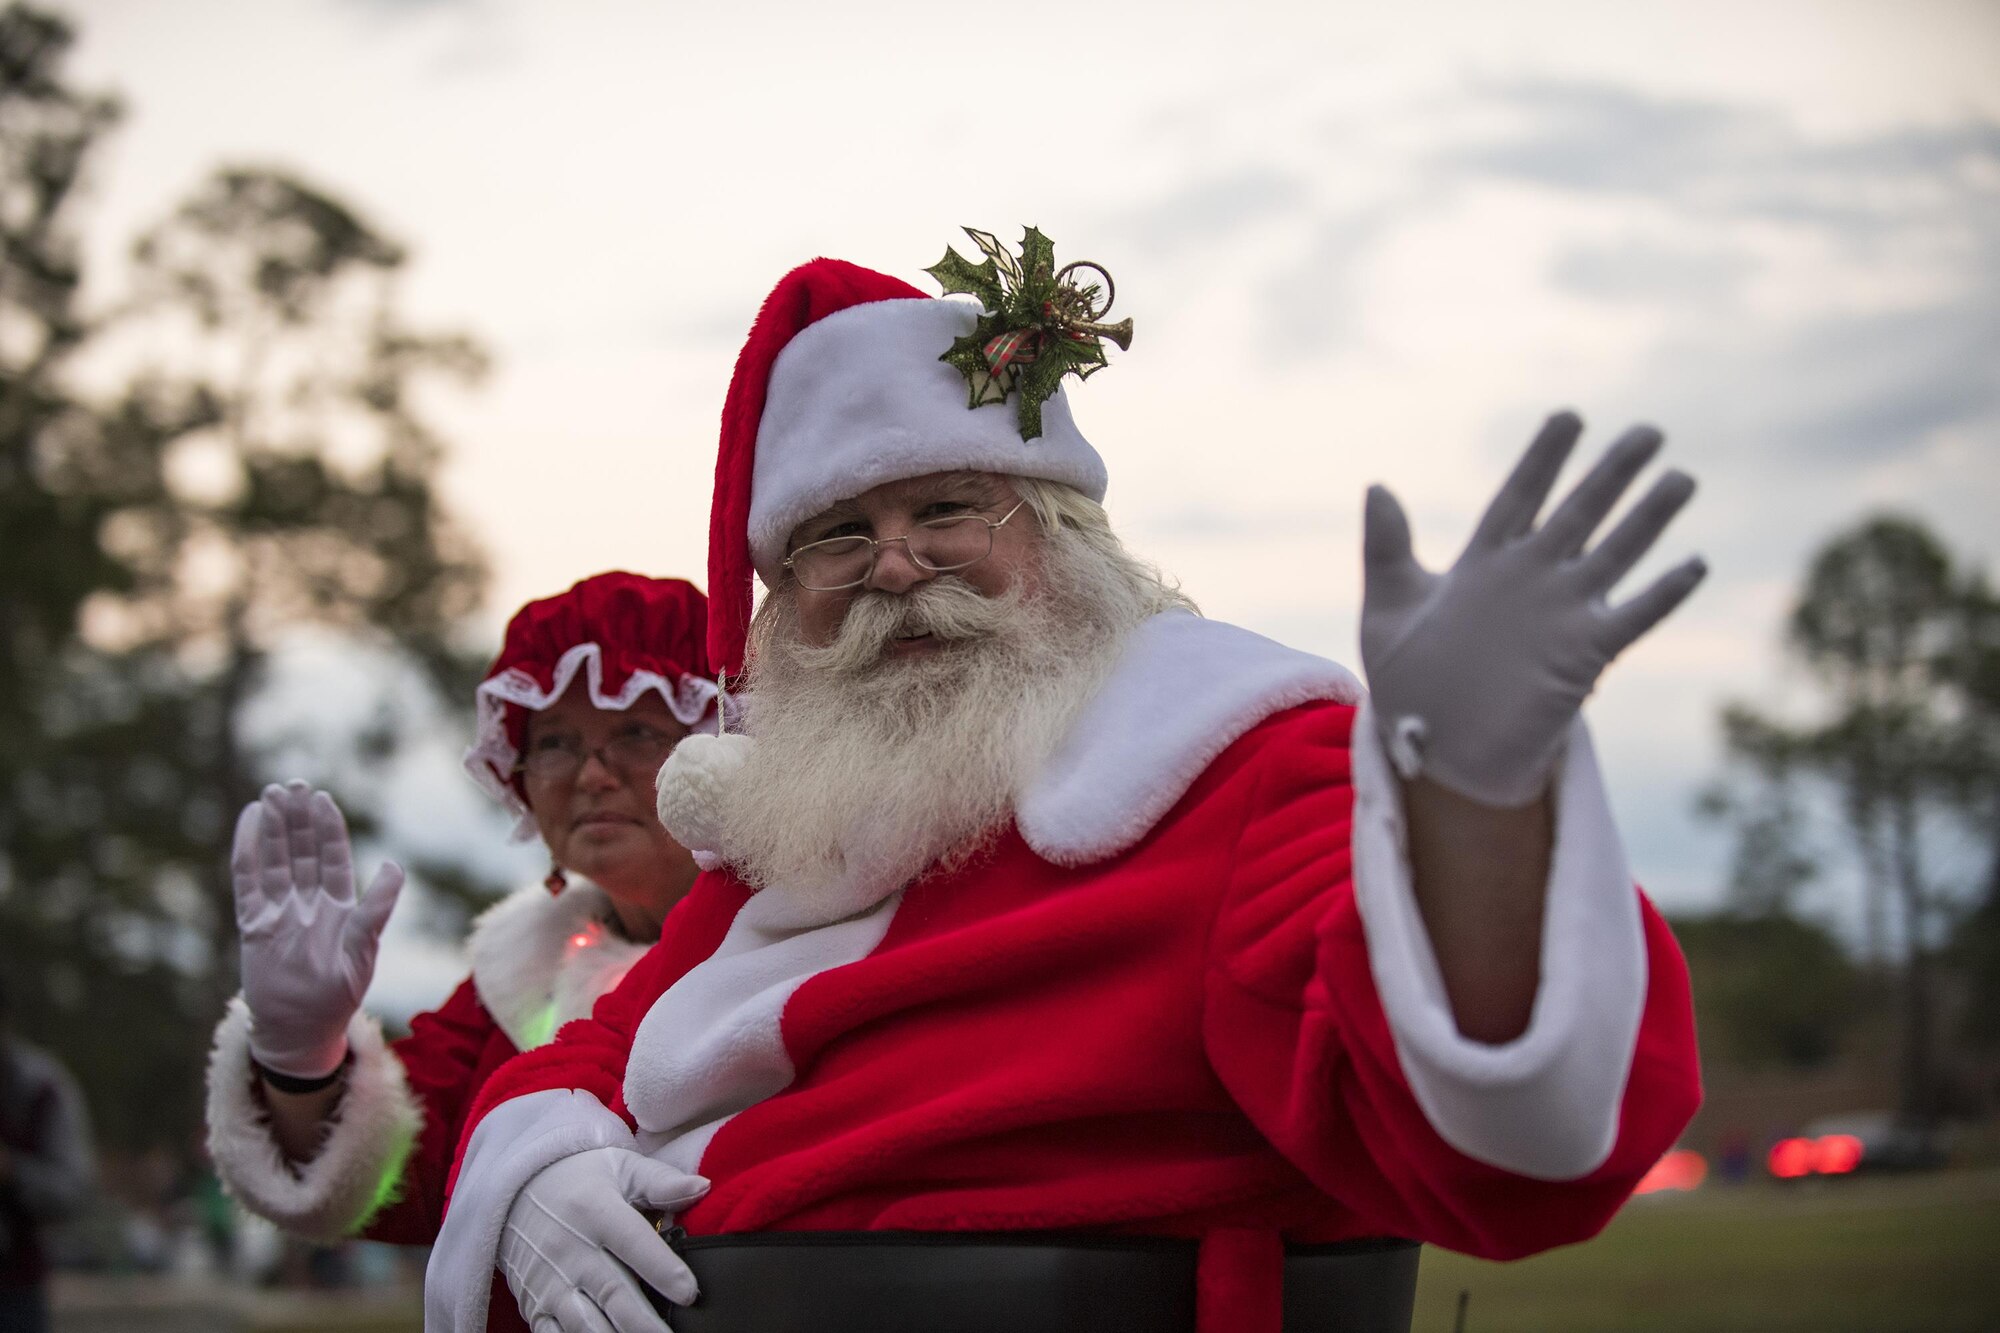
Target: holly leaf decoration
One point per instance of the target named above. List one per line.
(997, 255)
(1038, 256)
(967, 354)
(1039, 382)
(1086, 359)
(959, 276)
(1036, 323)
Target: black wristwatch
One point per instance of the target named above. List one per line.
(295, 1085)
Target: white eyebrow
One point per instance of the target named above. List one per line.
(956, 483)
(839, 511)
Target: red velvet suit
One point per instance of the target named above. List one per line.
(1184, 1039)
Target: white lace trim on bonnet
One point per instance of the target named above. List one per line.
(491, 755)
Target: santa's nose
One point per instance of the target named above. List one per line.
(896, 571)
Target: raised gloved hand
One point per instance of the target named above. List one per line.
(1477, 673)
(308, 942)
(574, 1237)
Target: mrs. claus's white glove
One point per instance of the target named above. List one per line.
(1477, 673)
(308, 942)
(574, 1237)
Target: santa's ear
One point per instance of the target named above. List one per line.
(691, 787)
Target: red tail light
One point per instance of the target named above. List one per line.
(1681, 1169)
(1836, 1154)
(1791, 1158)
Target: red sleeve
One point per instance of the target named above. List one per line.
(446, 1054)
(1297, 1032)
(589, 1054)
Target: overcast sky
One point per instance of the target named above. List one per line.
(1360, 242)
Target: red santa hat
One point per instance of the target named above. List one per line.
(627, 633)
(838, 389)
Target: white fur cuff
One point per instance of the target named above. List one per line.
(1545, 1104)
(335, 1194)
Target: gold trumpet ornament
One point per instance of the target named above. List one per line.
(1038, 322)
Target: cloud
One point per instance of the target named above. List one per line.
(401, 9)
(1209, 210)
(460, 38)
(1205, 522)
(1611, 139)
(1721, 160)
(1643, 270)
(1885, 248)
(1715, 171)
(1309, 305)
(1883, 383)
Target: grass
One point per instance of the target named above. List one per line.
(1876, 1255)
(1857, 1256)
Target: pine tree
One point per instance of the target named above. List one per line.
(1891, 632)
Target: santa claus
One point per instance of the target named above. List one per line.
(1068, 960)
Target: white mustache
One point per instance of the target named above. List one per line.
(945, 608)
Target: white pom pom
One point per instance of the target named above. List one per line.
(691, 786)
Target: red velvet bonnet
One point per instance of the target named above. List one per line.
(628, 634)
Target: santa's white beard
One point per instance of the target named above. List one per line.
(868, 770)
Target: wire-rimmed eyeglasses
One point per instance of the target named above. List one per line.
(940, 545)
(637, 749)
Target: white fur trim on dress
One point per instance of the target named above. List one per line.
(516, 1140)
(1546, 1103)
(860, 398)
(1183, 690)
(690, 699)
(374, 1125)
(540, 960)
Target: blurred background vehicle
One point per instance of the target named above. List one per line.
(1856, 1142)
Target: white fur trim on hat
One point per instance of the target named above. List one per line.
(690, 699)
(860, 398)
(540, 960)
(352, 1176)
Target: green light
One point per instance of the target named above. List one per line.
(541, 1029)
(389, 1186)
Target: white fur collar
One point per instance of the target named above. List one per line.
(541, 959)
(1182, 692)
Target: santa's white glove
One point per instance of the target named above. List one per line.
(308, 942)
(574, 1238)
(1477, 673)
